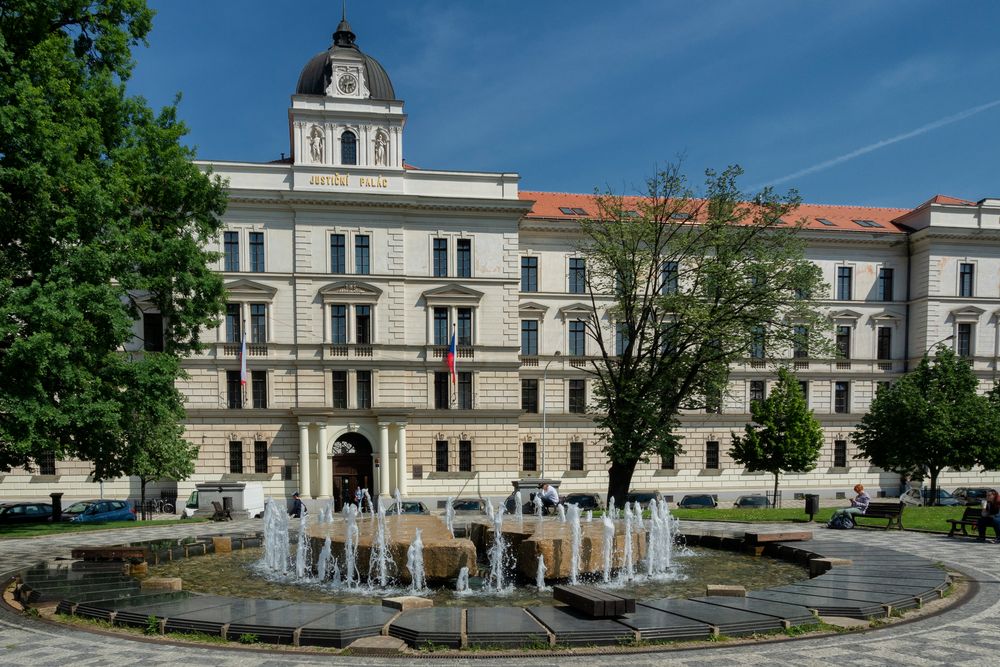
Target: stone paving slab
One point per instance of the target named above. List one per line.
(508, 627)
(573, 628)
(440, 626)
(793, 613)
(655, 624)
(728, 620)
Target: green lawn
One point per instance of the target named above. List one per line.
(917, 518)
(36, 529)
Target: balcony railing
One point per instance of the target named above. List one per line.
(465, 352)
(529, 361)
(365, 351)
(253, 349)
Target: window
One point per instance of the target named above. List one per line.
(839, 453)
(963, 344)
(577, 276)
(844, 274)
(804, 388)
(464, 326)
(883, 343)
(234, 390)
(577, 338)
(884, 285)
(843, 342)
(621, 338)
(362, 255)
(363, 325)
(529, 274)
(529, 456)
(339, 390)
(338, 253)
(348, 148)
(465, 456)
(258, 387)
(464, 391)
(46, 463)
(258, 323)
(757, 391)
(529, 338)
(576, 456)
(257, 252)
(966, 279)
(712, 455)
(441, 326)
(668, 278)
(800, 342)
(338, 325)
(578, 396)
(442, 390)
(152, 332)
(463, 258)
(233, 323)
(440, 258)
(236, 457)
(529, 395)
(842, 397)
(364, 390)
(757, 343)
(231, 245)
(260, 456)
(441, 456)
(668, 462)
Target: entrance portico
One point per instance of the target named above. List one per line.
(386, 469)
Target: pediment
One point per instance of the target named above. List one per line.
(576, 310)
(451, 294)
(249, 289)
(845, 315)
(532, 307)
(350, 291)
(967, 314)
(886, 318)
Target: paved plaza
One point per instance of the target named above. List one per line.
(969, 634)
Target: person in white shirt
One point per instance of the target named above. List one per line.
(550, 497)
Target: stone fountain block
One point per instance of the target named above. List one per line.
(405, 602)
(222, 545)
(722, 590)
(552, 540)
(162, 584)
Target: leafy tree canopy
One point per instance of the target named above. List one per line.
(932, 419)
(784, 435)
(102, 216)
(681, 287)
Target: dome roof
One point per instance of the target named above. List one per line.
(315, 76)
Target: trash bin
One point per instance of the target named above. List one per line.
(812, 505)
(56, 507)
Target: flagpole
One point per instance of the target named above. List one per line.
(454, 366)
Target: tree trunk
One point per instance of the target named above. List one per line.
(619, 480)
(933, 497)
(774, 498)
(142, 497)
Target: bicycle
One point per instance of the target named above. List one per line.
(161, 506)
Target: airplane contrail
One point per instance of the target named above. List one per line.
(923, 129)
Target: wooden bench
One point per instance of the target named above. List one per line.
(221, 514)
(594, 602)
(893, 511)
(970, 518)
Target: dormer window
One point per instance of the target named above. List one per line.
(348, 148)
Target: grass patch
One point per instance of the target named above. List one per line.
(914, 518)
(38, 529)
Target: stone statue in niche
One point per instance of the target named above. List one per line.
(381, 150)
(317, 143)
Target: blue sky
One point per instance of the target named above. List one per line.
(851, 102)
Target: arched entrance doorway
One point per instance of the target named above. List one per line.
(352, 467)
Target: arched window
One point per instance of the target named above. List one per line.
(348, 148)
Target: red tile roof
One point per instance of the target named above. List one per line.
(547, 205)
(945, 199)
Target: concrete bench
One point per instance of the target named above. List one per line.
(594, 602)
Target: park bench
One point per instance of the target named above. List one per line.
(970, 517)
(893, 511)
(594, 602)
(221, 513)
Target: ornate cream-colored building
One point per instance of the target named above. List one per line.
(349, 271)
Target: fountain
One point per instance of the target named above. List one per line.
(323, 562)
(462, 582)
(399, 502)
(609, 538)
(540, 574)
(415, 563)
(449, 515)
(518, 510)
(378, 563)
(302, 560)
(276, 551)
(561, 511)
(498, 555)
(351, 544)
(574, 522)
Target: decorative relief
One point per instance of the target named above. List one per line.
(342, 447)
(353, 428)
(317, 144)
(381, 149)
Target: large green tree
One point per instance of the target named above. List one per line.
(784, 435)
(931, 419)
(681, 287)
(102, 215)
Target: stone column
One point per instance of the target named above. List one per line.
(304, 487)
(325, 471)
(383, 456)
(401, 457)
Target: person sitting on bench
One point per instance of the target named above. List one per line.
(550, 497)
(859, 504)
(991, 515)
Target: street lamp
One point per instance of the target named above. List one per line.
(938, 343)
(545, 377)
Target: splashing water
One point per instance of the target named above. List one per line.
(351, 545)
(323, 562)
(449, 515)
(498, 556)
(415, 563)
(574, 522)
(462, 583)
(399, 502)
(611, 507)
(518, 510)
(627, 573)
(378, 565)
(365, 496)
(540, 574)
(276, 552)
(489, 509)
(537, 500)
(303, 564)
(561, 511)
(607, 544)
(590, 516)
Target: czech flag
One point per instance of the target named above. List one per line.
(450, 359)
(243, 361)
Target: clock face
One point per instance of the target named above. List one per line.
(347, 83)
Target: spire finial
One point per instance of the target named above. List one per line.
(344, 35)
(343, 11)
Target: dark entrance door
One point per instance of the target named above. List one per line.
(352, 467)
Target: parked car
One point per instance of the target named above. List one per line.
(697, 501)
(970, 495)
(920, 497)
(99, 510)
(17, 513)
(585, 501)
(754, 501)
(469, 506)
(644, 497)
(409, 507)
